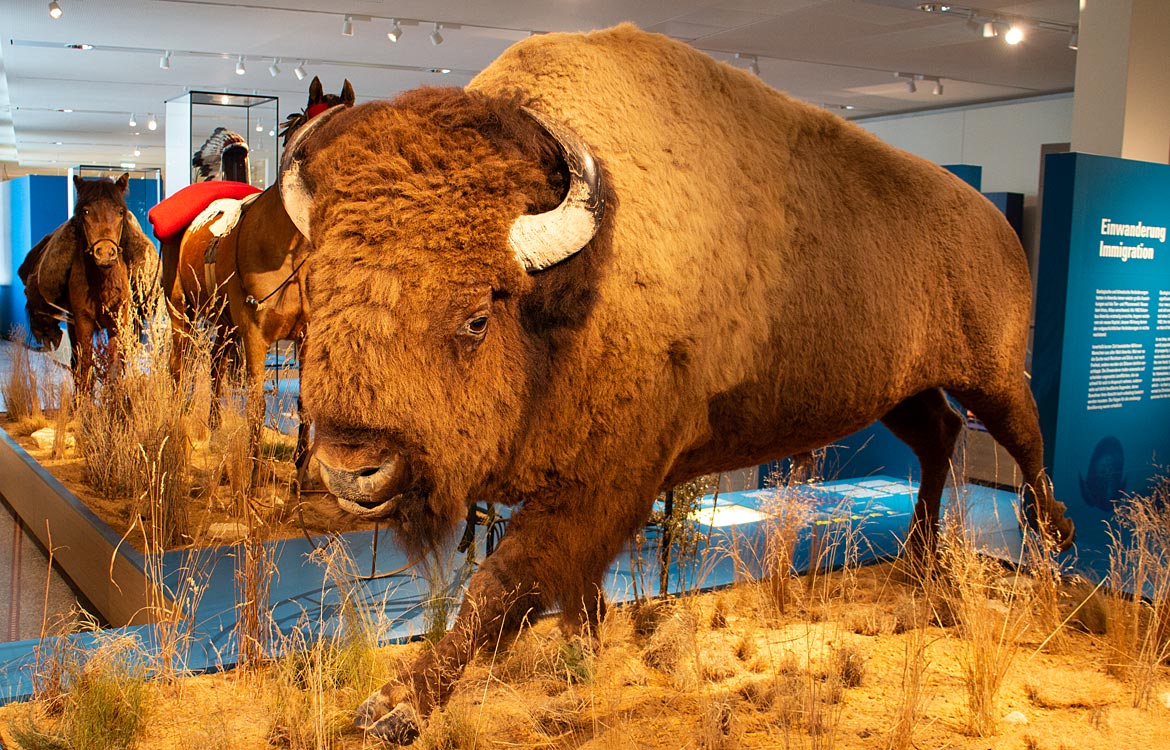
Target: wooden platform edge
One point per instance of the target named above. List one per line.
(111, 577)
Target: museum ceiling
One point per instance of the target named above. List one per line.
(842, 54)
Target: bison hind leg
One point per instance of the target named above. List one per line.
(927, 423)
(1010, 415)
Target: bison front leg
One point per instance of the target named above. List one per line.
(545, 558)
(500, 595)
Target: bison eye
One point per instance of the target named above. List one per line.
(477, 326)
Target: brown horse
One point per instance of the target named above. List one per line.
(245, 260)
(90, 272)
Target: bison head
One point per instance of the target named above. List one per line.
(430, 216)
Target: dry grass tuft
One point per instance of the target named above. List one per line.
(1138, 602)
(719, 725)
(103, 701)
(134, 435)
(19, 387)
(316, 682)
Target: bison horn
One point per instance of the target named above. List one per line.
(296, 196)
(542, 240)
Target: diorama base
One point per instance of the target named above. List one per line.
(863, 518)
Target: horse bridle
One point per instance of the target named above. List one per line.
(89, 246)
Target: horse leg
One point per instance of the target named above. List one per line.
(301, 457)
(255, 353)
(928, 424)
(81, 332)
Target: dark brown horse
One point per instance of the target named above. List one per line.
(89, 272)
(245, 260)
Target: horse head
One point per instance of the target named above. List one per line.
(99, 217)
(319, 101)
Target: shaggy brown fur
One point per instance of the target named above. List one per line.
(95, 266)
(260, 278)
(767, 278)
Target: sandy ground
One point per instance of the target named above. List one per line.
(719, 670)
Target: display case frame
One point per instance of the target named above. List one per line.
(194, 116)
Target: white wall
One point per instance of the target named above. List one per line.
(1004, 139)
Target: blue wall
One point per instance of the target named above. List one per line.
(1101, 358)
(36, 205)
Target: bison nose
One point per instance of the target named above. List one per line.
(368, 486)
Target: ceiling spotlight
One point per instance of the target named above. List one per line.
(989, 29)
(972, 23)
(938, 87)
(436, 37)
(299, 71)
(274, 68)
(1074, 38)
(271, 132)
(164, 62)
(137, 151)
(754, 66)
(935, 7)
(395, 32)
(347, 26)
(55, 11)
(133, 123)
(259, 127)
(240, 69)
(152, 124)
(909, 78)
(1014, 35)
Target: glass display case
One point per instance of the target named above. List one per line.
(197, 116)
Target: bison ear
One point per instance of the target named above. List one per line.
(123, 183)
(542, 240)
(77, 182)
(347, 97)
(295, 192)
(316, 91)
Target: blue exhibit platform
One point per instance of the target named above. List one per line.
(863, 519)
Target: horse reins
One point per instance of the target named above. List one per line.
(254, 303)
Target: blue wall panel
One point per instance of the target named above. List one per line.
(1101, 358)
(37, 204)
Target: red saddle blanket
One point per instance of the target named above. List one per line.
(172, 216)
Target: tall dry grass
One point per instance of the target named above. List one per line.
(20, 386)
(134, 434)
(318, 678)
(102, 701)
(992, 614)
(1138, 600)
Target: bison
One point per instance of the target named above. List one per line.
(611, 264)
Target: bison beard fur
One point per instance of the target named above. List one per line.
(765, 278)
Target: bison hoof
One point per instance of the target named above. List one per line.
(372, 709)
(400, 726)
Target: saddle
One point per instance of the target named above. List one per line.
(171, 217)
(220, 217)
